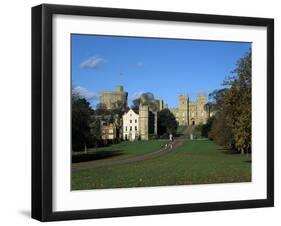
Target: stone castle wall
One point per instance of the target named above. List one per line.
(110, 100)
(191, 113)
(187, 113)
(143, 121)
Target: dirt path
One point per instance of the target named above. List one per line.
(178, 141)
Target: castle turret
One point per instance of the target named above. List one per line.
(201, 99)
(161, 104)
(119, 89)
(183, 110)
(114, 99)
(202, 113)
(191, 113)
(143, 120)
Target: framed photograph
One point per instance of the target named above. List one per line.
(140, 112)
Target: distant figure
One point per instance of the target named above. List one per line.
(171, 137)
(166, 146)
(171, 145)
(191, 136)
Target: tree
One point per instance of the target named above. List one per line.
(241, 90)
(95, 131)
(206, 128)
(101, 109)
(216, 98)
(220, 132)
(119, 108)
(232, 123)
(146, 99)
(166, 122)
(81, 119)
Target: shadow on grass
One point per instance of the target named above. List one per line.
(86, 157)
(178, 135)
(228, 151)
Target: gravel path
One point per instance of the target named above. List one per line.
(178, 141)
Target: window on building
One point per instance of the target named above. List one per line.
(126, 128)
(130, 128)
(136, 121)
(136, 128)
(130, 121)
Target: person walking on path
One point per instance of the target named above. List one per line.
(171, 137)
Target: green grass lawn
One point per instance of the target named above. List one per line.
(195, 162)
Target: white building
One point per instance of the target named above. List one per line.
(131, 126)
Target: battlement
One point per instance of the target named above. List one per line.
(113, 99)
(119, 89)
(190, 113)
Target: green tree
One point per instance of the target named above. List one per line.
(81, 119)
(220, 132)
(146, 99)
(206, 128)
(166, 122)
(241, 94)
(119, 109)
(95, 131)
(232, 123)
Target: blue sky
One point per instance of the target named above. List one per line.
(165, 67)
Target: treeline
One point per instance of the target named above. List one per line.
(231, 124)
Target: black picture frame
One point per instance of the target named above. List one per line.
(42, 111)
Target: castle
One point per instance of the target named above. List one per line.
(139, 125)
(191, 113)
(114, 99)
